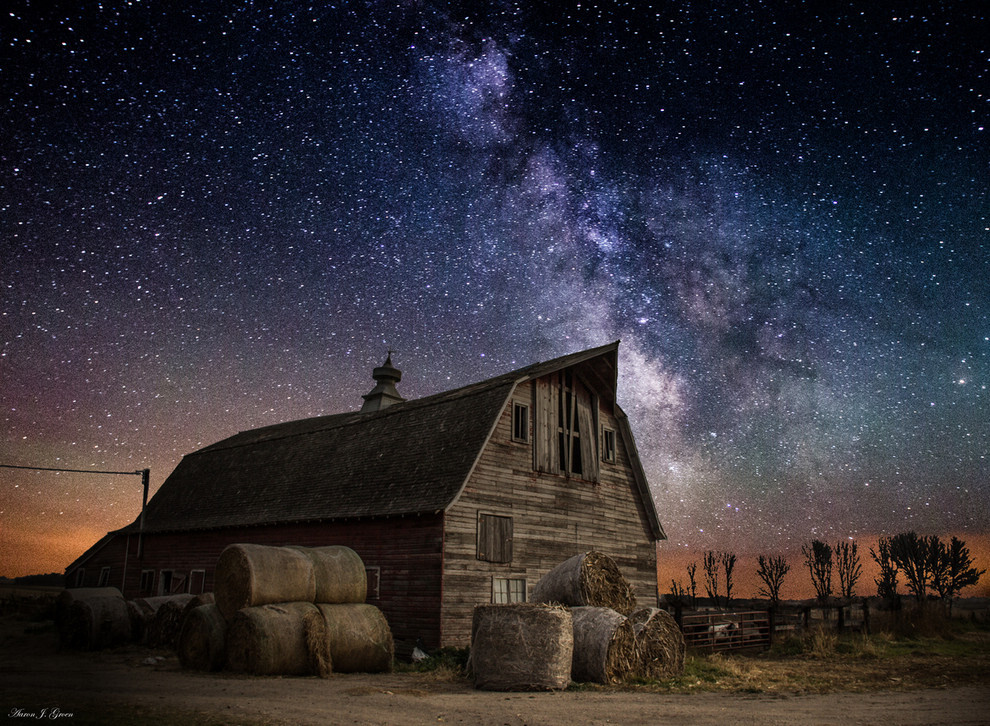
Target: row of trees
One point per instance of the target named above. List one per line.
(927, 564)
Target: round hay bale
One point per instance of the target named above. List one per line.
(360, 640)
(339, 572)
(660, 643)
(589, 579)
(604, 646)
(64, 601)
(521, 647)
(162, 628)
(318, 642)
(202, 641)
(251, 574)
(271, 640)
(98, 622)
(204, 598)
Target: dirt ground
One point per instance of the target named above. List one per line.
(133, 685)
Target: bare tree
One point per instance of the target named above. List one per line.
(692, 571)
(952, 569)
(772, 570)
(848, 567)
(728, 565)
(710, 563)
(912, 555)
(887, 581)
(818, 558)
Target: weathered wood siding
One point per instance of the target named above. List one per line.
(554, 517)
(408, 552)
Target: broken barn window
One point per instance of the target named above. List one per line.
(566, 427)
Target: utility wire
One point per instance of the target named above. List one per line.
(139, 472)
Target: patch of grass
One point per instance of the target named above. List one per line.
(822, 642)
(787, 647)
(445, 663)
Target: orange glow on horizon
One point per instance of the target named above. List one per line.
(672, 565)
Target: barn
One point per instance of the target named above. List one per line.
(464, 497)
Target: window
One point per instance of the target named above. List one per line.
(165, 582)
(494, 538)
(374, 575)
(566, 426)
(80, 577)
(104, 577)
(608, 445)
(197, 581)
(520, 422)
(147, 581)
(508, 590)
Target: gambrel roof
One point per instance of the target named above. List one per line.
(412, 457)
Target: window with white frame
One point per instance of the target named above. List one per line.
(147, 581)
(520, 422)
(374, 575)
(608, 445)
(507, 590)
(104, 577)
(165, 582)
(197, 582)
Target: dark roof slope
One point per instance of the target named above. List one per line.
(409, 458)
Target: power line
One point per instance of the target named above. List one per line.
(139, 472)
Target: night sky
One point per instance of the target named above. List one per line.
(217, 219)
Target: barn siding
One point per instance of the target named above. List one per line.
(407, 550)
(554, 517)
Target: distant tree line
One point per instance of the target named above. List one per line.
(52, 579)
(927, 564)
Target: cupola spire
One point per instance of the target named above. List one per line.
(384, 393)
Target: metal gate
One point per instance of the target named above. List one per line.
(722, 631)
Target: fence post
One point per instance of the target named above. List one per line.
(771, 622)
(841, 622)
(679, 615)
(866, 616)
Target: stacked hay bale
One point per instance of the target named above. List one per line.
(288, 611)
(358, 638)
(94, 623)
(521, 647)
(67, 628)
(604, 645)
(161, 618)
(660, 643)
(249, 575)
(588, 579)
(202, 642)
(609, 646)
(275, 640)
(92, 618)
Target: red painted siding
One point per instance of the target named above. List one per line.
(408, 552)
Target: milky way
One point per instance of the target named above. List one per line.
(219, 219)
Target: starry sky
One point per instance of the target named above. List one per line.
(217, 216)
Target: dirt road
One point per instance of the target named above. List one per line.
(120, 688)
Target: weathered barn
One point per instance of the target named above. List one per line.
(452, 500)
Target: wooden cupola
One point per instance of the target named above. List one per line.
(384, 393)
